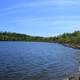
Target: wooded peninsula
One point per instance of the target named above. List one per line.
(68, 39)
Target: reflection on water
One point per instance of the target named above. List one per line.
(37, 61)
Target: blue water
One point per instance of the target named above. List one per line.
(37, 61)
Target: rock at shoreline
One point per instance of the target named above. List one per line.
(76, 46)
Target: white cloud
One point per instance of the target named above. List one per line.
(51, 21)
(44, 3)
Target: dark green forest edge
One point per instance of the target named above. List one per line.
(67, 39)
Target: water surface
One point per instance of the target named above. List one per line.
(37, 61)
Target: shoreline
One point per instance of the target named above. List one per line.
(75, 46)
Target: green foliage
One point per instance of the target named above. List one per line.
(71, 38)
(7, 36)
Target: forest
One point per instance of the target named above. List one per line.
(67, 38)
(71, 38)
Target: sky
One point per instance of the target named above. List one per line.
(40, 17)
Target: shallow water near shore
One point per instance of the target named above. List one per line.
(37, 61)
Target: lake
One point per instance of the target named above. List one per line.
(37, 61)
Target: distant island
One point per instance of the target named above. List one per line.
(67, 39)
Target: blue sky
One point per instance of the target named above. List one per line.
(40, 17)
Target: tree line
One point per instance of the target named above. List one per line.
(71, 38)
